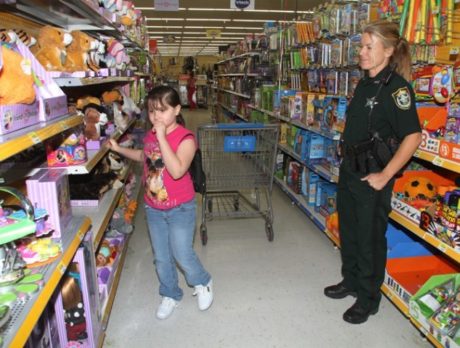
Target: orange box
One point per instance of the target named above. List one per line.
(450, 151)
(412, 272)
(410, 174)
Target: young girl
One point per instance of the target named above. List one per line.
(170, 200)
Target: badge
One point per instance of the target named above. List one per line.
(402, 98)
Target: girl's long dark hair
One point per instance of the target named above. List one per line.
(164, 95)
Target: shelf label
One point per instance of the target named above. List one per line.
(81, 235)
(62, 268)
(443, 247)
(64, 125)
(438, 161)
(406, 210)
(417, 153)
(34, 138)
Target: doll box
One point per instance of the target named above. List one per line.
(51, 192)
(15, 117)
(52, 107)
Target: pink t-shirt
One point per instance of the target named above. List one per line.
(161, 190)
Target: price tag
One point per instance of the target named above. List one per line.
(417, 153)
(438, 161)
(442, 246)
(406, 210)
(61, 267)
(34, 138)
(64, 125)
(81, 235)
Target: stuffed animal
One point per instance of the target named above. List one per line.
(50, 48)
(95, 119)
(109, 97)
(103, 255)
(88, 99)
(78, 51)
(15, 35)
(111, 5)
(129, 106)
(120, 118)
(16, 80)
(96, 56)
(130, 211)
(119, 223)
(116, 54)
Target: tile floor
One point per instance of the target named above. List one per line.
(267, 294)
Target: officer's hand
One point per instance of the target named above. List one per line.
(376, 180)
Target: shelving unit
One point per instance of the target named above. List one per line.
(16, 333)
(72, 16)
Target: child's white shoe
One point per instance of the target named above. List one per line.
(205, 295)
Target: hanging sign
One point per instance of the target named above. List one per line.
(242, 4)
(166, 5)
(213, 33)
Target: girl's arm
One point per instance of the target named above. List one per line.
(133, 154)
(177, 164)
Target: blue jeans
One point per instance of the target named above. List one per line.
(171, 234)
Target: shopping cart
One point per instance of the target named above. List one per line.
(239, 161)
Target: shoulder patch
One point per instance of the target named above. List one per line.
(402, 98)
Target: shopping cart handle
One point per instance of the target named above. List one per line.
(240, 125)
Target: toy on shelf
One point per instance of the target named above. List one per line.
(67, 148)
(95, 118)
(51, 47)
(78, 52)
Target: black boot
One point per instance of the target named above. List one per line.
(357, 314)
(338, 291)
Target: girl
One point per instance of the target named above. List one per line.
(170, 200)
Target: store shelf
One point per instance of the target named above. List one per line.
(269, 113)
(16, 142)
(426, 333)
(407, 216)
(113, 290)
(437, 160)
(317, 168)
(88, 81)
(25, 316)
(238, 75)
(235, 93)
(244, 55)
(299, 200)
(233, 112)
(395, 299)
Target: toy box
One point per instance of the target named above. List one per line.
(328, 199)
(314, 149)
(49, 189)
(278, 95)
(433, 300)
(52, 100)
(310, 109)
(67, 148)
(294, 177)
(310, 181)
(45, 333)
(84, 291)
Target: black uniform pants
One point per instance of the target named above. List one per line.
(363, 218)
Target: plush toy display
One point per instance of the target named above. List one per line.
(78, 51)
(50, 49)
(88, 99)
(129, 106)
(95, 119)
(15, 35)
(116, 56)
(119, 223)
(109, 97)
(15, 71)
(120, 118)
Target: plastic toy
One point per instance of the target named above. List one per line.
(419, 188)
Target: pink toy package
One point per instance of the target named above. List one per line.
(49, 189)
(67, 148)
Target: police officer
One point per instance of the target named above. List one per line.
(364, 197)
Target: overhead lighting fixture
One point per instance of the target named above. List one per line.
(164, 32)
(164, 26)
(165, 19)
(209, 19)
(245, 28)
(254, 20)
(153, 9)
(235, 33)
(211, 9)
(201, 27)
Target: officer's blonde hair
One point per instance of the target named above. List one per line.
(388, 33)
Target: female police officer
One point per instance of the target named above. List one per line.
(364, 189)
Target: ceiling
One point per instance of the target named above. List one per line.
(188, 31)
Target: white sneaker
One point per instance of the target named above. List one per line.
(166, 307)
(205, 295)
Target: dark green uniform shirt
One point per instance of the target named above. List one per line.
(394, 109)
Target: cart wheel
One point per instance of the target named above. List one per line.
(269, 231)
(210, 205)
(236, 204)
(203, 234)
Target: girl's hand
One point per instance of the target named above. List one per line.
(112, 145)
(376, 180)
(159, 128)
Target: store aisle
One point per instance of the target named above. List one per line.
(266, 294)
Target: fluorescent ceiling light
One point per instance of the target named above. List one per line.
(236, 33)
(164, 32)
(211, 9)
(245, 28)
(254, 20)
(164, 26)
(201, 27)
(165, 19)
(153, 8)
(210, 19)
